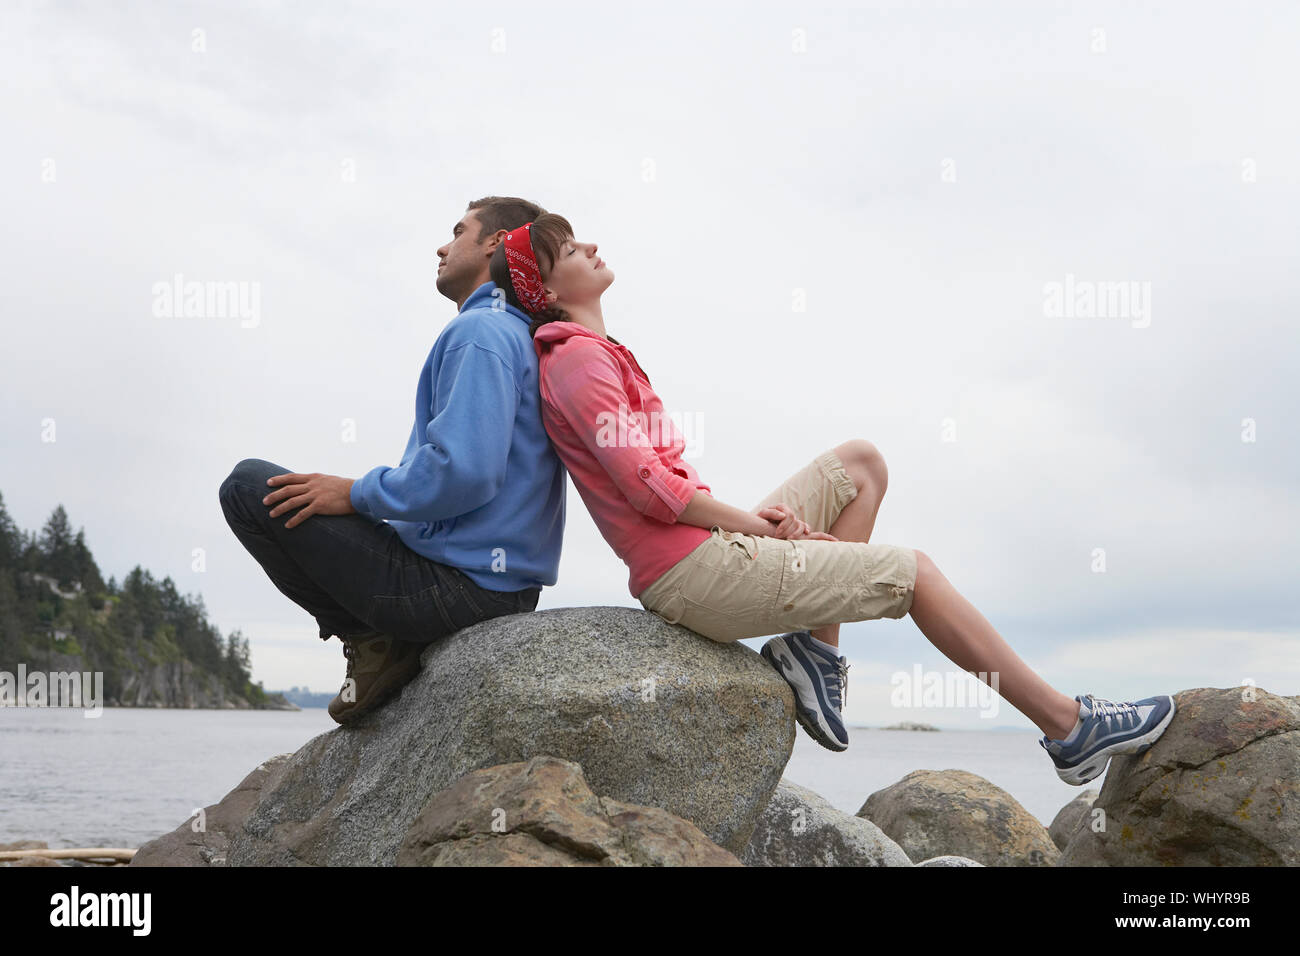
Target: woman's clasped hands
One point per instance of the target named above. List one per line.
(786, 524)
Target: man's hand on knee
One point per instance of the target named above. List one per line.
(315, 494)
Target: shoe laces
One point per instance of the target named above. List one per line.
(350, 653)
(842, 686)
(1109, 710)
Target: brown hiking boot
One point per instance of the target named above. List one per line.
(378, 667)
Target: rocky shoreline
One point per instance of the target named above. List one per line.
(604, 736)
(174, 684)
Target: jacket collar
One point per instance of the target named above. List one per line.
(559, 331)
(482, 298)
(553, 332)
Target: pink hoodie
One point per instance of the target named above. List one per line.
(625, 456)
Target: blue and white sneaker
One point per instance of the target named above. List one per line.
(820, 680)
(1106, 728)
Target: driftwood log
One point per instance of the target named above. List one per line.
(92, 854)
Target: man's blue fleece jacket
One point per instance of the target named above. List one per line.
(479, 486)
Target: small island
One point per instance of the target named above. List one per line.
(911, 725)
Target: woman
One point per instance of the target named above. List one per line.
(799, 562)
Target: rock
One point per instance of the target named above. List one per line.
(949, 861)
(186, 846)
(1221, 787)
(144, 681)
(27, 860)
(177, 683)
(1067, 819)
(656, 715)
(799, 828)
(952, 812)
(542, 813)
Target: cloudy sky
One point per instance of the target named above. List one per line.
(827, 221)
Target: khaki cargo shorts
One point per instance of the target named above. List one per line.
(737, 585)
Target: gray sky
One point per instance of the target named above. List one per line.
(827, 221)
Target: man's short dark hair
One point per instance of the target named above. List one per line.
(503, 212)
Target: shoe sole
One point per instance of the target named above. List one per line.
(381, 694)
(810, 722)
(1078, 776)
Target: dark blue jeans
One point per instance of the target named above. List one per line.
(355, 575)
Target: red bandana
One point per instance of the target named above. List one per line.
(524, 274)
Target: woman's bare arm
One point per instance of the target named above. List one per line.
(705, 511)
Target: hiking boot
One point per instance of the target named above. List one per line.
(378, 667)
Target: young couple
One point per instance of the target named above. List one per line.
(799, 562)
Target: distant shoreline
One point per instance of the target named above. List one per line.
(260, 710)
(1002, 729)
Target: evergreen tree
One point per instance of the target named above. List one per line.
(31, 552)
(56, 548)
(11, 539)
(92, 584)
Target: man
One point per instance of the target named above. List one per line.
(475, 509)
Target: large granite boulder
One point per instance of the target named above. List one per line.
(656, 715)
(1221, 787)
(799, 828)
(1069, 818)
(542, 813)
(932, 813)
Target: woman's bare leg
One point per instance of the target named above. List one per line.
(948, 620)
(866, 466)
(955, 627)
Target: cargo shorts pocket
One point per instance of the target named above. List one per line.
(739, 550)
(672, 609)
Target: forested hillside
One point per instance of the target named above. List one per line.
(154, 646)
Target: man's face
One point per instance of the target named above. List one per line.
(463, 262)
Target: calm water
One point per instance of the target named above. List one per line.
(135, 774)
(879, 758)
(131, 774)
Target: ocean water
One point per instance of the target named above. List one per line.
(130, 774)
(876, 759)
(134, 774)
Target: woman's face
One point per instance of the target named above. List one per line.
(578, 275)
